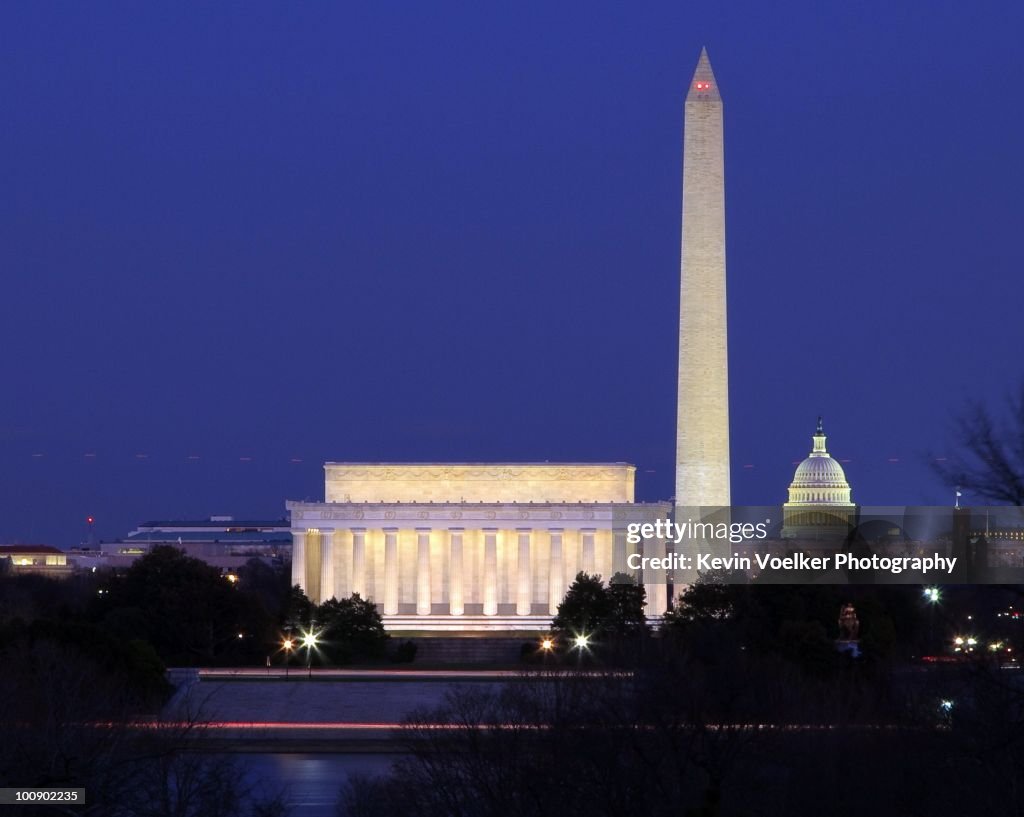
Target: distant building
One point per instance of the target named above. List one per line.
(42, 559)
(820, 504)
(997, 537)
(221, 541)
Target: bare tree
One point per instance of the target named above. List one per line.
(67, 721)
(989, 455)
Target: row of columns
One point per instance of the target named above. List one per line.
(456, 580)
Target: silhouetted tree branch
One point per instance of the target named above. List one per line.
(989, 455)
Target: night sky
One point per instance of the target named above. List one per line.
(238, 240)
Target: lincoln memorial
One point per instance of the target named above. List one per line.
(466, 547)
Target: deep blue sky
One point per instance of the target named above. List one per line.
(451, 231)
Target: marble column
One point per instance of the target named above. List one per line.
(423, 571)
(490, 571)
(327, 590)
(654, 581)
(589, 563)
(456, 598)
(359, 561)
(390, 571)
(524, 592)
(556, 576)
(299, 559)
(619, 551)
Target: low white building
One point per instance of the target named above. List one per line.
(466, 547)
(221, 541)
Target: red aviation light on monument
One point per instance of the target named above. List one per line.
(702, 86)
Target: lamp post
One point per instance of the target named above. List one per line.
(309, 642)
(287, 645)
(932, 595)
(582, 643)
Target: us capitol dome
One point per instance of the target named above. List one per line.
(819, 503)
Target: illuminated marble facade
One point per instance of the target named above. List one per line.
(447, 546)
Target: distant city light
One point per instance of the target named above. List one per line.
(932, 594)
(287, 644)
(547, 644)
(309, 639)
(946, 705)
(582, 642)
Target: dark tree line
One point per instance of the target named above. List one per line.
(190, 614)
(739, 706)
(186, 610)
(78, 709)
(84, 679)
(189, 611)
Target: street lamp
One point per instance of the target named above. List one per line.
(309, 641)
(547, 647)
(581, 643)
(287, 645)
(932, 595)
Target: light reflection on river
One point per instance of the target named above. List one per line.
(311, 782)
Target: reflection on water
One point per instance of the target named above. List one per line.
(310, 781)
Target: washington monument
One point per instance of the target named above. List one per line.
(702, 423)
